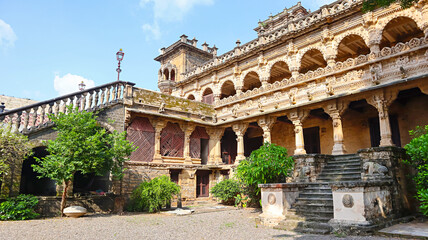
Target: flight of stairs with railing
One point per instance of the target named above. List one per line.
(34, 117)
(313, 208)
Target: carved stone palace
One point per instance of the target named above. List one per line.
(340, 89)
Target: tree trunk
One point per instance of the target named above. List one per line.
(64, 197)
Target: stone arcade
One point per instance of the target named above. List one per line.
(338, 88)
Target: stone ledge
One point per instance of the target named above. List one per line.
(352, 184)
(285, 185)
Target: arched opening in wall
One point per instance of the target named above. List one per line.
(142, 134)
(191, 97)
(160, 74)
(165, 74)
(227, 89)
(400, 29)
(30, 183)
(208, 96)
(172, 75)
(199, 147)
(251, 81)
(253, 138)
(228, 146)
(311, 61)
(279, 71)
(351, 46)
(172, 140)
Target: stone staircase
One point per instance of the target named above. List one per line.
(314, 206)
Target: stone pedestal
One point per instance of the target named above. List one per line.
(277, 198)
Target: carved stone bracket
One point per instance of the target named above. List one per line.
(266, 123)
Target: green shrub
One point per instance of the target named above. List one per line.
(423, 197)
(19, 208)
(417, 149)
(268, 164)
(226, 190)
(153, 195)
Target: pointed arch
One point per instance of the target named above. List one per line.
(279, 71)
(165, 74)
(400, 29)
(312, 60)
(227, 89)
(351, 46)
(251, 81)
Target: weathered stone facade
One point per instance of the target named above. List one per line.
(323, 84)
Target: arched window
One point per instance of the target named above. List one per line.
(279, 71)
(400, 29)
(311, 61)
(251, 81)
(191, 97)
(351, 46)
(165, 74)
(227, 89)
(208, 96)
(172, 75)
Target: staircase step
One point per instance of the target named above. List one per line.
(303, 200)
(343, 170)
(341, 173)
(340, 166)
(305, 226)
(321, 219)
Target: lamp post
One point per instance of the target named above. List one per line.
(119, 57)
(82, 86)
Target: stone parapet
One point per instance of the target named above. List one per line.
(307, 167)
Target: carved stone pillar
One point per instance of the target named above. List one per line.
(335, 110)
(216, 97)
(424, 10)
(238, 89)
(381, 101)
(369, 22)
(215, 145)
(297, 117)
(266, 123)
(264, 80)
(188, 130)
(240, 130)
(158, 125)
(294, 71)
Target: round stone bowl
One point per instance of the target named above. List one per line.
(74, 211)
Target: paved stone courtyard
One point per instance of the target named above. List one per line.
(220, 224)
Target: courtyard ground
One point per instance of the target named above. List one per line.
(221, 224)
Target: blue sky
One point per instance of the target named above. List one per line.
(48, 46)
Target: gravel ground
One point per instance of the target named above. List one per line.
(226, 224)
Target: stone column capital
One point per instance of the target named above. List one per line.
(215, 133)
(381, 100)
(335, 108)
(266, 122)
(240, 129)
(298, 115)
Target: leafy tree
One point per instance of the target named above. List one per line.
(226, 190)
(14, 148)
(268, 164)
(417, 149)
(370, 5)
(82, 146)
(153, 194)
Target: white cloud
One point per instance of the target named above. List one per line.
(7, 35)
(168, 11)
(153, 29)
(70, 83)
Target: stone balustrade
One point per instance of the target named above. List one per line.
(36, 116)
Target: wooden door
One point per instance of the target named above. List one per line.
(202, 184)
(311, 137)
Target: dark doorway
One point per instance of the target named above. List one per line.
(252, 144)
(375, 131)
(228, 146)
(311, 136)
(202, 183)
(174, 175)
(30, 183)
